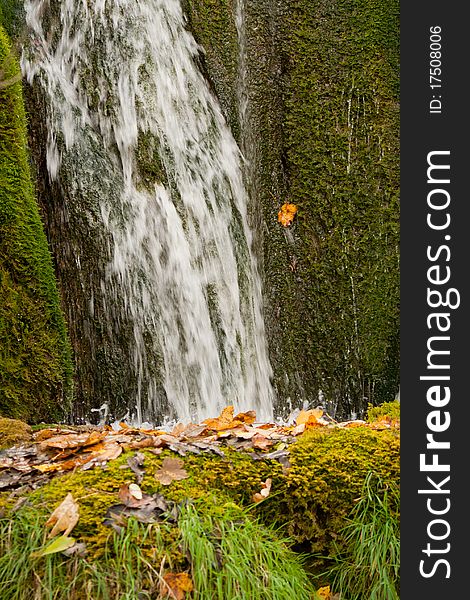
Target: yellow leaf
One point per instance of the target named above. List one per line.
(324, 592)
(308, 416)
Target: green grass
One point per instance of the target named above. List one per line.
(240, 559)
(227, 555)
(368, 568)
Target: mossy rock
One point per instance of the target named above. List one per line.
(13, 432)
(35, 356)
(310, 500)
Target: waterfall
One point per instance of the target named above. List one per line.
(121, 81)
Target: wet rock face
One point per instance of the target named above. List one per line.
(317, 106)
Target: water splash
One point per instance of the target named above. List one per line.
(120, 77)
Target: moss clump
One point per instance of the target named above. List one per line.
(35, 357)
(327, 475)
(387, 409)
(13, 432)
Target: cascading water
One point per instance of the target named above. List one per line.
(119, 76)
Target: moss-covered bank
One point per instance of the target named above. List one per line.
(310, 500)
(35, 360)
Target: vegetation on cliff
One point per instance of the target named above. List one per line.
(35, 361)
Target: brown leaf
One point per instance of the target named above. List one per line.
(63, 465)
(298, 429)
(171, 470)
(72, 441)
(111, 451)
(194, 431)
(94, 438)
(136, 464)
(265, 490)
(131, 495)
(176, 585)
(261, 442)
(64, 518)
(178, 429)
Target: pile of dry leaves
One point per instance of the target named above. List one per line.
(56, 450)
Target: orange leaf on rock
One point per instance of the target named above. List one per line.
(64, 518)
(171, 470)
(248, 417)
(287, 213)
(176, 585)
(224, 421)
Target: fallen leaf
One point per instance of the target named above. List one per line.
(64, 465)
(248, 417)
(171, 470)
(111, 451)
(265, 490)
(324, 592)
(194, 431)
(287, 213)
(261, 442)
(306, 416)
(298, 429)
(349, 424)
(131, 495)
(176, 585)
(60, 544)
(78, 549)
(223, 421)
(136, 464)
(178, 429)
(64, 518)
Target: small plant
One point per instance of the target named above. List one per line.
(367, 567)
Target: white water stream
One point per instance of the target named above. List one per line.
(181, 263)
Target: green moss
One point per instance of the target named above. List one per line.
(387, 409)
(11, 15)
(327, 475)
(13, 432)
(213, 25)
(35, 361)
(342, 134)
